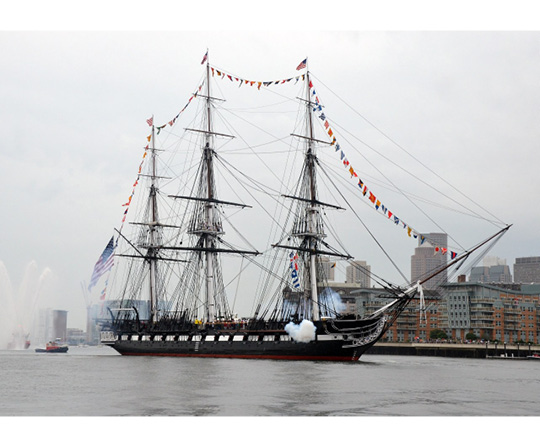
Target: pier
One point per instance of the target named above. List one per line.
(462, 350)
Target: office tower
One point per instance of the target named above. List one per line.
(358, 272)
(428, 259)
(527, 270)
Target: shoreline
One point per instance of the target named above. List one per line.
(459, 350)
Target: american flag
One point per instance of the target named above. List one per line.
(150, 121)
(204, 58)
(302, 64)
(104, 263)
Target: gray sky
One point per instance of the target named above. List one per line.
(74, 105)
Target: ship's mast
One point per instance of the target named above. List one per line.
(209, 207)
(206, 225)
(152, 246)
(314, 207)
(309, 226)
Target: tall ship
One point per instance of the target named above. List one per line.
(174, 282)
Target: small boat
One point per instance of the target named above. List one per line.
(534, 357)
(53, 346)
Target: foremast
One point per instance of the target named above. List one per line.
(149, 281)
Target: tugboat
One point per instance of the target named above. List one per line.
(53, 347)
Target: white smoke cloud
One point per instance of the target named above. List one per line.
(332, 300)
(303, 332)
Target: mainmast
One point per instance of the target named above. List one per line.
(206, 225)
(314, 208)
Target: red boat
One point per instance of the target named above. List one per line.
(53, 346)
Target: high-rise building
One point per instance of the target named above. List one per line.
(495, 270)
(59, 324)
(428, 258)
(328, 267)
(527, 270)
(50, 325)
(358, 272)
(490, 261)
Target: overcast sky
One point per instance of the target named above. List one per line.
(74, 105)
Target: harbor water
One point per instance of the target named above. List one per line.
(96, 381)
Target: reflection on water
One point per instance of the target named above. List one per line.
(95, 381)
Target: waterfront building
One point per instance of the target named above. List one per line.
(527, 270)
(506, 312)
(427, 259)
(491, 312)
(358, 272)
(414, 323)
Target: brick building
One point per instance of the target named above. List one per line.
(492, 312)
(412, 324)
(508, 313)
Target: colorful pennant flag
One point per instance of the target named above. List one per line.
(376, 202)
(294, 269)
(259, 84)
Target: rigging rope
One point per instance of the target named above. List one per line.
(364, 225)
(411, 155)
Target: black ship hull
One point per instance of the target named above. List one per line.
(315, 350)
(342, 346)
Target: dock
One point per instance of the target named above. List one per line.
(461, 350)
